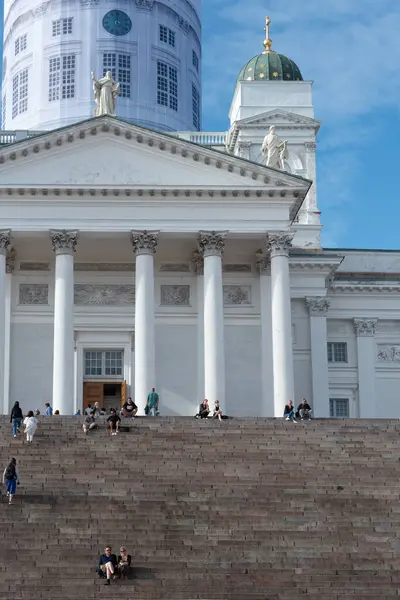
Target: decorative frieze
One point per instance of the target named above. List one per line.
(318, 306)
(365, 327)
(104, 295)
(236, 268)
(33, 294)
(145, 5)
(237, 295)
(388, 353)
(175, 295)
(212, 243)
(279, 243)
(63, 241)
(105, 267)
(34, 266)
(5, 240)
(174, 268)
(144, 242)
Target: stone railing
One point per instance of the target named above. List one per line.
(9, 137)
(205, 138)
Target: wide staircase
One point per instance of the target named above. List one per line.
(246, 509)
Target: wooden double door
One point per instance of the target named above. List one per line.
(109, 394)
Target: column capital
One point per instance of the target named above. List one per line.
(365, 327)
(10, 260)
(198, 262)
(263, 262)
(63, 241)
(212, 243)
(5, 240)
(318, 306)
(279, 243)
(144, 242)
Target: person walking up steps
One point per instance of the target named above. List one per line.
(30, 423)
(11, 479)
(16, 418)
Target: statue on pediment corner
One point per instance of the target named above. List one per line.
(274, 150)
(105, 92)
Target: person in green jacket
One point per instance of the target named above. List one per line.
(152, 403)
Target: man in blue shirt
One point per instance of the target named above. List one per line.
(49, 410)
(107, 565)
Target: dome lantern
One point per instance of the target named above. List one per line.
(269, 65)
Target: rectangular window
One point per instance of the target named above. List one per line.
(196, 107)
(163, 34)
(337, 352)
(62, 77)
(339, 408)
(120, 67)
(103, 363)
(113, 363)
(167, 36)
(195, 60)
(20, 93)
(62, 27)
(20, 44)
(93, 364)
(173, 88)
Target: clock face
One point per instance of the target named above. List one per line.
(117, 22)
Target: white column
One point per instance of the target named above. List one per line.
(198, 268)
(64, 243)
(365, 332)
(313, 213)
(212, 245)
(10, 263)
(282, 346)
(144, 245)
(5, 241)
(267, 371)
(318, 308)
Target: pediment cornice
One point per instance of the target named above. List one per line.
(283, 119)
(106, 127)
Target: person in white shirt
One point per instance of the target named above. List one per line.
(30, 424)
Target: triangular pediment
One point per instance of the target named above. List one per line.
(279, 117)
(109, 152)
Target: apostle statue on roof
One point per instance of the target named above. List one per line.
(274, 150)
(105, 92)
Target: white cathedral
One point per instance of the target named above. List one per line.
(137, 251)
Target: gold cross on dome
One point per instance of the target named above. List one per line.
(267, 41)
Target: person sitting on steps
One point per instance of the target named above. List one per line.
(304, 410)
(113, 422)
(217, 411)
(129, 409)
(89, 423)
(107, 565)
(124, 563)
(204, 410)
(289, 412)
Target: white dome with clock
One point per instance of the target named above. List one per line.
(151, 47)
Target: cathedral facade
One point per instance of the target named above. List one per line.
(133, 258)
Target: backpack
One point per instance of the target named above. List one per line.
(10, 472)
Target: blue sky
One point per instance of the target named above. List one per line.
(351, 50)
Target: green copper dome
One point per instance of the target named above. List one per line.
(270, 66)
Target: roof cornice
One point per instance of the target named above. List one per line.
(161, 141)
